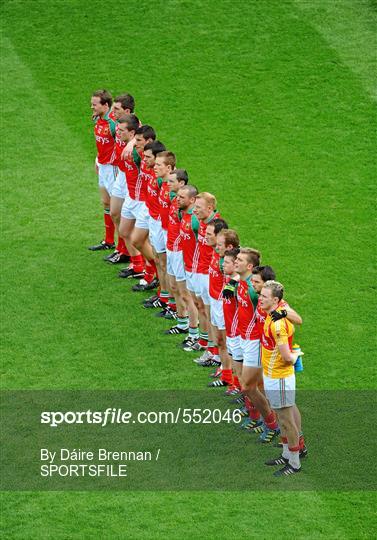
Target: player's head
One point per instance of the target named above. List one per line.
(176, 179)
(123, 104)
(165, 164)
(271, 294)
(144, 135)
(127, 126)
(226, 239)
(150, 152)
(261, 274)
(213, 229)
(246, 260)
(101, 102)
(186, 197)
(229, 261)
(205, 205)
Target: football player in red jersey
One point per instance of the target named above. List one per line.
(189, 227)
(205, 211)
(186, 310)
(104, 132)
(164, 164)
(127, 127)
(123, 105)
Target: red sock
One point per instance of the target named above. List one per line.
(301, 442)
(236, 381)
(248, 403)
(254, 413)
(150, 271)
(121, 246)
(270, 421)
(138, 263)
(294, 448)
(109, 227)
(172, 303)
(203, 342)
(226, 375)
(284, 440)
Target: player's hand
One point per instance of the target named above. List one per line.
(295, 355)
(277, 315)
(229, 290)
(127, 150)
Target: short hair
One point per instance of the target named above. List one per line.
(147, 132)
(104, 96)
(232, 253)
(276, 288)
(181, 174)
(127, 102)
(265, 272)
(131, 120)
(231, 238)
(169, 158)
(156, 147)
(253, 255)
(208, 197)
(218, 225)
(192, 190)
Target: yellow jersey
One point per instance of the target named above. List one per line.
(275, 334)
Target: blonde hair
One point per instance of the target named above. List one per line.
(276, 288)
(209, 198)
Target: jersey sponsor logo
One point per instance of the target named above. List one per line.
(213, 272)
(102, 140)
(185, 236)
(151, 191)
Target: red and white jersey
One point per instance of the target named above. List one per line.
(216, 277)
(104, 133)
(203, 252)
(164, 202)
(230, 309)
(145, 174)
(118, 147)
(131, 170)
(153, 191)
(247, 300)
(174, 227)
(188, 232)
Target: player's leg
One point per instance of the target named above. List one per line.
(106, 178)
(126, 227)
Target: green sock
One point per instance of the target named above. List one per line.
(182, 323)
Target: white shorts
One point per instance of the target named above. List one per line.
(189, 281)
(251, 351)
(201, 284)
(174, 265)
(120, 189)
(137, 210)
(234, 348)
(217, 313)
(106, 176)
(280, 392)
(156, 235)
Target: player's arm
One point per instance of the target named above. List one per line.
(288, 312)
(287, 355)
(127, 150)
(280, 334)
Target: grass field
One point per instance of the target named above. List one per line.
(268, 104)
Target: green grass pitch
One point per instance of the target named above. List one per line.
(268, 104)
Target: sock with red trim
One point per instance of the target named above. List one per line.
(236, 381)
(294, 456)
(301, 441)
(285, 453)
(109, 227)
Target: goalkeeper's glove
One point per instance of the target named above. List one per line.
(277, 315)
(230, 289)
